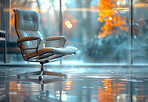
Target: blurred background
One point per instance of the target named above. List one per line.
(104, 31)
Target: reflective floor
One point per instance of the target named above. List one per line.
(112, 84)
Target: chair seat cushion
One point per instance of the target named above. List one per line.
(51, 50)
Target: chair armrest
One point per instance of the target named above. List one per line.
(62, 38)
(28, 39)
(55, 38)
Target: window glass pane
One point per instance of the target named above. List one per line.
(49, 19)
(140, 28)
(2, 30)
(100, 29)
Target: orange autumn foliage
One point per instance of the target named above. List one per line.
(108, 14)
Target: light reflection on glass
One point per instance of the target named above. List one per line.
(68, 24)
(57, 7)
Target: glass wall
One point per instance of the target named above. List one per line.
(49, 19)
(2, 30)
(100, 29)
(140, 31)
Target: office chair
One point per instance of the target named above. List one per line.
(32, 44)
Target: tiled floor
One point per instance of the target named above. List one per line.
(113, 84)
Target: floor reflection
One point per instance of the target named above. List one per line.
(30, 89)
(85, 85)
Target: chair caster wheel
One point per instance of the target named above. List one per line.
(18, 76)
(40, 77)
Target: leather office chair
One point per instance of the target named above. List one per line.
(31, 42)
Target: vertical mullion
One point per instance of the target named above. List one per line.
(60, 23)
(6, 6)
(131, 55)
(60, 19)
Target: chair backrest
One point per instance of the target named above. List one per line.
(27, 24)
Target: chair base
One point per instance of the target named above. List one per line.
(41, 73)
